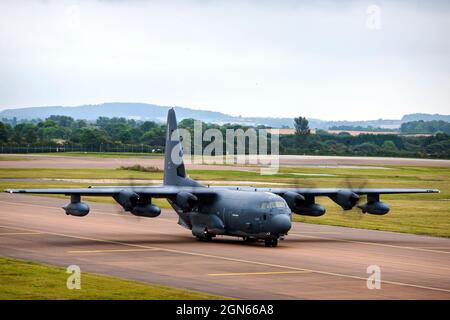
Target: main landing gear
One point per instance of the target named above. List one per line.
(206, 236)
(271, 242)
(249, 239)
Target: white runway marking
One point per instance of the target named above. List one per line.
(370, 243)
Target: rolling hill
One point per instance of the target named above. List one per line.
(144, 111)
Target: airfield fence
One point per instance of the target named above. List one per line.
(124, 148)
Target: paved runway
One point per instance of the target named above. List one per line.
(314, 262)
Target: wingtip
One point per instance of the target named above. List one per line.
(14, 191)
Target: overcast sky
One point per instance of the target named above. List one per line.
(346, 60)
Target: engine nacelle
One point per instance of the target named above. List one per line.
(127, 199)
(309, 209)
(146, 210)
(293, 199)
(345, 198)
(186, 200)
(77, 209)
(375, 207)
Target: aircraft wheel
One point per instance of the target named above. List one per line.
(271, 243)
(206, 238)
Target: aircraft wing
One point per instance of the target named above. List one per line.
(334, 191)
(301, 200)
(152, 191)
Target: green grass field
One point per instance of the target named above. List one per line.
(29, 280)
(102, 154)
(12, 158)
(427, 214)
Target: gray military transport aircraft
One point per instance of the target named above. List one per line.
(247, 212)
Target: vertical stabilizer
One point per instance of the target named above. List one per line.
(174, 169)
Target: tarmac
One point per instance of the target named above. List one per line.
(313, 262)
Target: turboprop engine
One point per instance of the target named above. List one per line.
(146, 210)
(186, 200)
(127, 199)
(137, 205)
(310, 209)
(76, 207)
(302, 205)
(346, 199)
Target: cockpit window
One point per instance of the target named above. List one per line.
(273, 204)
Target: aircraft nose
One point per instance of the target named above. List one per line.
(280, 224)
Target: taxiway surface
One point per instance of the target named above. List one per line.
(314, 262)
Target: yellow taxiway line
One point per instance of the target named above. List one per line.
(256, 273)
(111, 250)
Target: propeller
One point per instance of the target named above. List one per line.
(120, 210)
(352, 187)
(303, 182)
(347, 198)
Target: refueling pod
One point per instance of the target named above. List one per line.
(76, 207)
(374, 205)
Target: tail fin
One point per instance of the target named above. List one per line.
(174, 169)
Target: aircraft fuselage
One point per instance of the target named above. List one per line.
(252, 215)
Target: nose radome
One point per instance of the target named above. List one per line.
(281, 223)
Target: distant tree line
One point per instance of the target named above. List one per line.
(63, 130)
(325, 143)
(361, 128)
(391, 145)
(112, 133)
(427, 127)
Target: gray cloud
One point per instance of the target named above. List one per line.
(316, 58)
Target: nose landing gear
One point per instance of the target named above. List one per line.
(270, 242)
